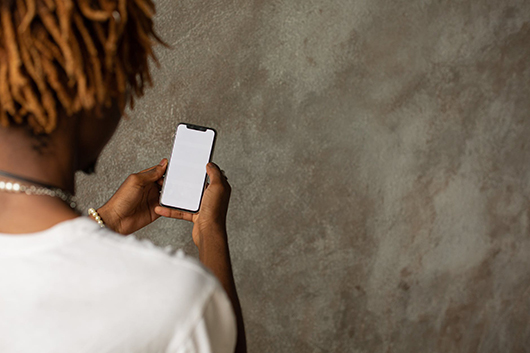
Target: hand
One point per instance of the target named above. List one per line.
(132, 206)
(211, 218)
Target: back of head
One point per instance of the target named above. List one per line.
(62, 57)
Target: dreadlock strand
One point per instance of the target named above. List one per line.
(5, 94)
(91, 48)
(48, 102)
(91, 88)
(21, 10)
(121, 79)
(125, 52)
(145, 41)
(44, 49)
(90, 13)
(100, 33)
(55, 84)
(28, 60)
(80, 78)
(108, 6)
(122, 103)
(110, 43)
(36, 58)
(98, 80)
(89, 43)
(49, 49)
(34, 125)
(122, 11)
(33, 106)
(52, 27)
(28, 17)
(13, 57)
(50, 4)
(90, 75)
(34, 69)
(64, 13)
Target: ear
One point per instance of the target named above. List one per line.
(93, 134)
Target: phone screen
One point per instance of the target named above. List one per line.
(186, 173)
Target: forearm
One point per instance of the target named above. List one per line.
(215, 255)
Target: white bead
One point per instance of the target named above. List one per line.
(16, 187)
(9, 186)
(2, 185)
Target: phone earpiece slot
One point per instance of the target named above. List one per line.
(195, 127)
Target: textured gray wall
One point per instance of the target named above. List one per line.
(379, 157)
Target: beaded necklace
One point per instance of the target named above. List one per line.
(36, 188)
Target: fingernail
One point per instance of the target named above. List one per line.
(162, 162)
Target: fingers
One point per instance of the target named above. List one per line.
(153, 174)
(171, 213)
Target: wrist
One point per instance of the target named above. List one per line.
(214, 230)
(108, 218)
(213, 233)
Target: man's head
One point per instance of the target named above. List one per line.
(66, 59)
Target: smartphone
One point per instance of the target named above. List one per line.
(185, 178)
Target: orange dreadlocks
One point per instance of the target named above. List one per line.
(69, 56)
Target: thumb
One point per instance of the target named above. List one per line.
(214, 172)
(154, 173)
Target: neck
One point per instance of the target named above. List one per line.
(51, 163)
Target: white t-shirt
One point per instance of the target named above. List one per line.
(80, 288)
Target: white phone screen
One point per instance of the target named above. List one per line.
(186, 173)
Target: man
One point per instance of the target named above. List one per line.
(67, 71)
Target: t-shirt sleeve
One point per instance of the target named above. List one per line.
(215, 331)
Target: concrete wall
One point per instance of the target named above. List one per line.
(379, 156)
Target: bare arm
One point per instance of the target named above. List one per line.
(210, 237)
(214, 254)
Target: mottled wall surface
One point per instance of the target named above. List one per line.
(379, 155)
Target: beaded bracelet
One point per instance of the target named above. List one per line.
(92, 212)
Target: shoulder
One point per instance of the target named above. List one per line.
(202, 314)
(128, 257)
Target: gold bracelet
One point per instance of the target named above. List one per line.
(92, 212)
